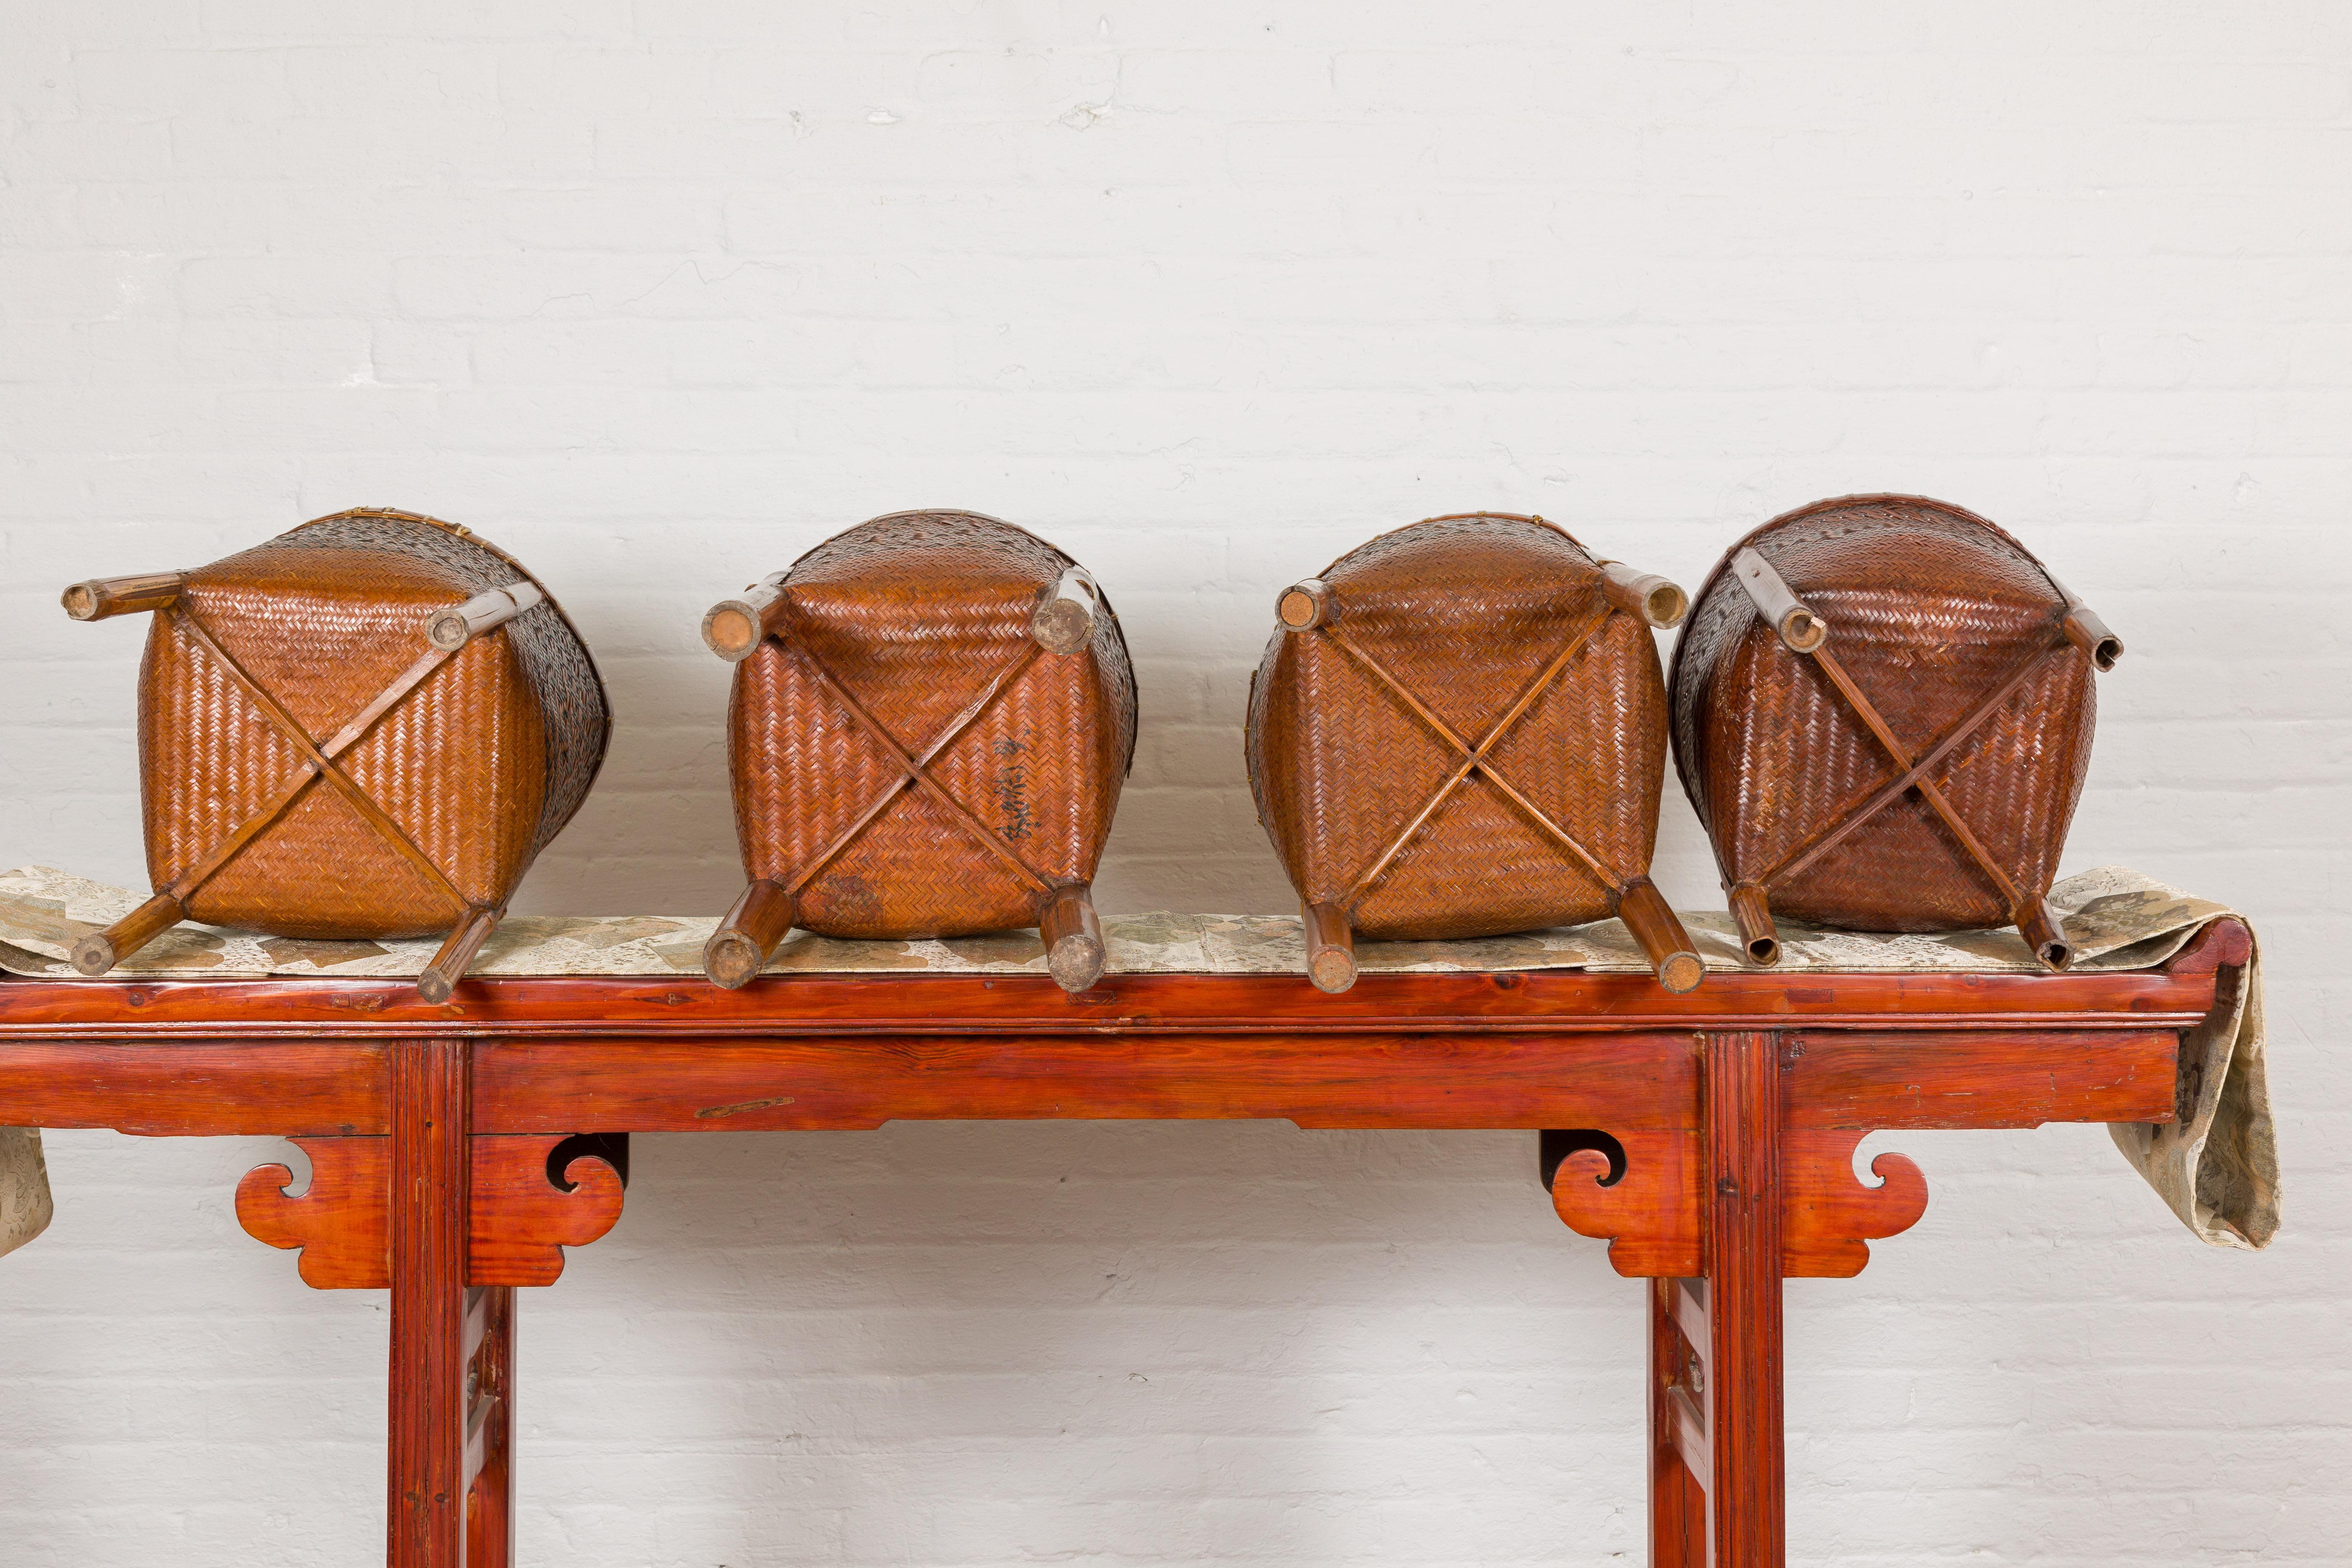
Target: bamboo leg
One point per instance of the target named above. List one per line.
(740, 947)
(1305, 605)
(734, 628)
(1751, 912)
(1647, 597)
(457, 955)
(2046, 933)
(1746, 1493)
(489, 1426)
(429, 1189)
(1065, 619)
(98, 953)
(2086, 631)
(1664, 941)
(104, 596)
(1330, 948)
(1802, 630)
(1074, 939)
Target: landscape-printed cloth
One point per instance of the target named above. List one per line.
(2218, 1170)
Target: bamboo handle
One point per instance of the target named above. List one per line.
(2086, 631)
(1751, 912)
(101, 951)
(1075, 951)
(1065, 620)
(102, 597)
(457, 955)
(735, 628)
(453, 627)
(2046, 933)
(1664, 941)
(1305, 605)
(1644, 596)
(1786, 614)
(740, 947)
(1330, 948)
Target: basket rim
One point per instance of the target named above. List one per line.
(1812, 509)
(1535, 518)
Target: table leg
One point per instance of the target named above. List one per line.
(1747, 1494)
(1678, 1448)
(429, 1188)
(489, 1425)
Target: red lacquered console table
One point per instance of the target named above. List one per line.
(457, 1149)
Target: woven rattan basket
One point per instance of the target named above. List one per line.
(932, 716)
(1460, 729)
(366, 728)
(1883, 713)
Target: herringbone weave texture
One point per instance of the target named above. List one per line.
(1466, 613)
(915, 613)
(1930, 609)
(480, 764)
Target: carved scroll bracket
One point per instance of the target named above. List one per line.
(523, 1209)
(1828, 1218)
(1652, 1212)
(340, 1222)
(522, 1219)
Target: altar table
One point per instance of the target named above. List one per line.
(456, 1150)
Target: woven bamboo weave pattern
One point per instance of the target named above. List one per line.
(917, 617)
(1465, 613)
(1931, 610)
(478, 767)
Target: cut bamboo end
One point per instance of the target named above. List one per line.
(102, 597)
(1751, 912)
(1305, 605)
(101, 951)
(1786, 614)
(2090, 634)
(1803, 631)
(453, 627)
(1330, 948)
(2084, 628)
(1075, 951)
(1065, 619)
(1664, 941)
(2046, 933)
(457, 955)
(741, 945)
(734, 628)
(1644, 596)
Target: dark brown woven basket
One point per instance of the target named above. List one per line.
(932, 716)
(1883, 713)
(366, 728)
(1460, 729)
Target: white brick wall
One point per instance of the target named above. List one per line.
(658, 295)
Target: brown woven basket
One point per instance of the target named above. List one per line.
(1460, 729)
(1883, 713)
(932, 716)
(366, 728)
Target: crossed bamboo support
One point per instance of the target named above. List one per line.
(1062, 624)
(446, 633)
(1804, 632)
(1310, 608)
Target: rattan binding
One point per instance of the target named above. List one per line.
(1459, 730)
(366, 728)
(1883, 712)
(933, 715)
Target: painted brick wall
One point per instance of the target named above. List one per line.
(658, 294)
